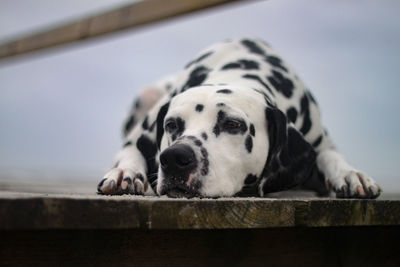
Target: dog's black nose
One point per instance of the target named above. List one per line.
(178, 159)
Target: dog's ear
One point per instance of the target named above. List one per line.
(290, 158)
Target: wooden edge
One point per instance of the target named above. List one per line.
(133, 212)
(130, 16)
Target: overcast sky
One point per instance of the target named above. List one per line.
(61, 111)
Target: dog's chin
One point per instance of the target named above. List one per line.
(188, 188)
(181, 193)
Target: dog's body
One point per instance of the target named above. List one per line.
(236, 121)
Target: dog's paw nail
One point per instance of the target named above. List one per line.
(100, 185)
(360, 191)
(138, 187)
(126, 183)
(342, 192)
(380, 188)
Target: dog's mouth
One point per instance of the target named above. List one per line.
(181, 188)
(181, 193)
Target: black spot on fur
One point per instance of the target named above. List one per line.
(291, 113)
(179, 130)
(305, 111)
(204, 161)
(174, 93)
(253, 47)
(139, 176)
(224, 91)
(281, 83)
(290, 158)
(129, 125)
(101, 182)
(317, 142)
(258, 79)
(197, 142)
(151, 128)
(297, 145)
(252, 130)
(228, 125)
(181, 125)
(160, 123)
(205, 136)
(316, 183)
(199, 108)
(137, 103)
(249, 143)
(128, 180)
(145, 124)
(250, 188)
(248, 191)
(268, 100)
(276, 62)
(312, 98)
(148, 149)
(234, 65)
(129, 143)
(220, 117)
(196, 77)
(304, 104)
(243, 64)
(197, 60)
(250, 179)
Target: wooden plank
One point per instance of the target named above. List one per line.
(130, 16)
(338, 246)
(52, 211)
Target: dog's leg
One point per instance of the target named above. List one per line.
(128, 175)
(136, 165)
(340, 176)
(146, 100)
(344, 179)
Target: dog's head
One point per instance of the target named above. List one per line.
(222, 140)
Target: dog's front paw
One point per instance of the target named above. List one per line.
(355, 184)
(122, 181)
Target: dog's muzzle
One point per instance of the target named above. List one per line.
(178, 164)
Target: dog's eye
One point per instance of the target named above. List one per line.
(232, 124)
(170, 126)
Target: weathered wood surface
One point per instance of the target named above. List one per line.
(337, 246)
(130, 16)
(38, 229)
(52, 211)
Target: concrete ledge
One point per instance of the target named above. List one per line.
(52, 211)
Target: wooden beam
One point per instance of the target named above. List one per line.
(328, 247)
(130, 16)
(20, 211)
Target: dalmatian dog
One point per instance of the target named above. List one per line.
(236, 121)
